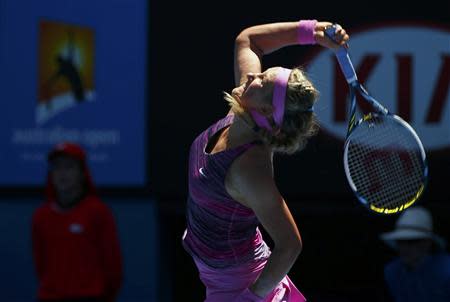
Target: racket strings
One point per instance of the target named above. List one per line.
(385, 181)
(385, 162)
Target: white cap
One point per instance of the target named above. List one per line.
(413, 223)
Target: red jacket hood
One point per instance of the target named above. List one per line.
(75, 151)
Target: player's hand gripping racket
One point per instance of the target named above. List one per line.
(384, 159)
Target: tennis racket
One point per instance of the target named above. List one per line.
(384, 159)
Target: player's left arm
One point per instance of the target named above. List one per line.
(256, 41)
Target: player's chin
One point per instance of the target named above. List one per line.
(237, 92)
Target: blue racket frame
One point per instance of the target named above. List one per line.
(355, 86)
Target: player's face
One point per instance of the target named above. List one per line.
(66, 173)
(256, 92)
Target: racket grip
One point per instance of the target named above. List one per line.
(343, 57)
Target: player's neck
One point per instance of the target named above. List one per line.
(243, 128)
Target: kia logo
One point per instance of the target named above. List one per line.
(405, 67)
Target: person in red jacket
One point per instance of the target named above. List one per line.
(75, 242)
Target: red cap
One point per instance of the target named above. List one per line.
(75, 151)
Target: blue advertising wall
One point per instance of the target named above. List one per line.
(107, 44)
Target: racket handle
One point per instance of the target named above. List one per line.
(342, 56)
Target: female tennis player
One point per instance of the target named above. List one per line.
(231, 185)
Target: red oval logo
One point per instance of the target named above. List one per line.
(405, 67)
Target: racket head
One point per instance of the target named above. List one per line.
(385, 163)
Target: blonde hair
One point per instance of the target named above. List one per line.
(299, 124)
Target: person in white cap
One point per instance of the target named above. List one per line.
(421, 272)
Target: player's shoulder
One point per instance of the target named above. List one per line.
(257, 155)
(252, 171)
(254, 164)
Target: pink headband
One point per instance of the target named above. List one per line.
(278, 100)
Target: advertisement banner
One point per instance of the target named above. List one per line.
(73, 72)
